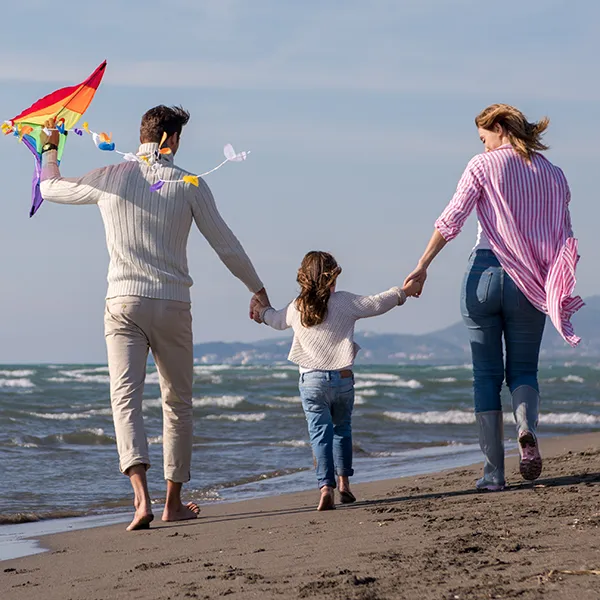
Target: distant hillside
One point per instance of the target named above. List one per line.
(446, 345)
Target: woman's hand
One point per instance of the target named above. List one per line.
(412, 288)
(418, 276)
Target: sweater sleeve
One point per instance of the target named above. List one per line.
(362, 307)
(67, 190)
(468, 191)
(277, 319)
(221, 238)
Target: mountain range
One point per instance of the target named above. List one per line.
(443, 346)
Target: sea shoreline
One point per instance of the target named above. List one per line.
(426, 536)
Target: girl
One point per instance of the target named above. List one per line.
(324, 349)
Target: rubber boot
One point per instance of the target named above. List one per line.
(526, 407)
(491, 442)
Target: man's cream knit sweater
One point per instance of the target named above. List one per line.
(147, 232)
(330, 346)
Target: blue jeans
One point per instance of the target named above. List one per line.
(492, 306)
(328, 400)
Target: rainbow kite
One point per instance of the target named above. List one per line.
(67, 105)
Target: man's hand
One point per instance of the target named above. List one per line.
(412, 288)
(54, 136)
(258, 301)
(418, 276)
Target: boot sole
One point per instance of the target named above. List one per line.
(530, 468)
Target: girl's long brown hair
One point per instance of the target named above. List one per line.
(316, 275)
(524, 137)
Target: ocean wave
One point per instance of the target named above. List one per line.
(402, 383)
(575, 418)
(64, 416)
(17, 373)
(157, 439)
(288, 399)
(32, 517)
(80, 376)
(22, 383)
(453, 367)
(223, 401)
(291, 443)
(461, 417)
(248, 417)
(377, 376)
(83, 437)
(283, 375)
(573, 379)
(433, 417)
(445, 380)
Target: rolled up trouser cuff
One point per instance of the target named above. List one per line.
(126, 463)
(344, 472)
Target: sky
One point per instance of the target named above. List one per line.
(359, 116)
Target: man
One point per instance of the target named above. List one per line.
(148, 299)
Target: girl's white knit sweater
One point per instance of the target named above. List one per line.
(330, 345)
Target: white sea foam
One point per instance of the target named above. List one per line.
(445, 380)
(60, 416)
(573, 379)
(359, 399)
(17, 373)
(155, 440)
(402, 383)
(431, 417)
(288, 399)
(453, 367)
(368, 392)
(282, 375)
(65, 416)
(16, 383)
(291, 443)
(378, 377)
(462, 417)
(224, 401)
(249, 417)
(80, 376)
(576, 418)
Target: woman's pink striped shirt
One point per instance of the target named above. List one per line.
(523, 209)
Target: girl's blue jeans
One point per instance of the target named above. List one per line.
(494, 308)
(328, 400)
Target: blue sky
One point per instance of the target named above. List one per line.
(359, 116)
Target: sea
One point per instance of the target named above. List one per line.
(58, 458)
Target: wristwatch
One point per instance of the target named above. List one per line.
(47, 147)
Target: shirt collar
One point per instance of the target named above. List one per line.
(150, 150)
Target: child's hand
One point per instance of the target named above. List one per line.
(257, 308)
(412, 288)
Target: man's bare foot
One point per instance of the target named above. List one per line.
(327, 501)
(141, 520)
(182, 513)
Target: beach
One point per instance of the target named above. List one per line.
(428, 536)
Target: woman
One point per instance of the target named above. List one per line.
(521, 269)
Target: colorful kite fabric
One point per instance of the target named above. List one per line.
(67, 105)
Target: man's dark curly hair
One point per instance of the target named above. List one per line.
(162, 119)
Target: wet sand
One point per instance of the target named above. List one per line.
(425, 537)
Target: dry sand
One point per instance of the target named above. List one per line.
(417, 538)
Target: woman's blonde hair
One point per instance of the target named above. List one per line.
(525, 137)
(317, 275)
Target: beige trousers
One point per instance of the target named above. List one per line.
(132, 326)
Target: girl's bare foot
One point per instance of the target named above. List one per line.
(346, 496)
(183, 512)
(327, 501)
